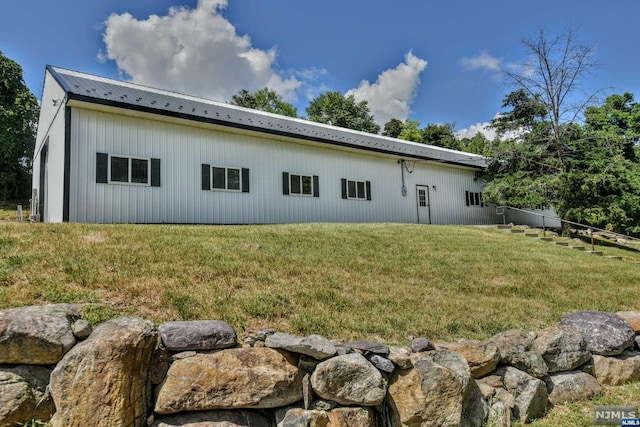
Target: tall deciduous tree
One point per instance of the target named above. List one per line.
(440, 136)
(18, 116)
(336, 109)
(553, 75)
(264, 99)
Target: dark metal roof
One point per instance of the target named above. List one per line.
(100, 90)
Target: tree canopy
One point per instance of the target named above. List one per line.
(264, 99)
(336, 109)
(18, 116)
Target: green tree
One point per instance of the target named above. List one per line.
(440, 136)
(617, 121)
(336, 109)
(477, 144)
(393, 128)
(18, 117)
(411, 131)
(552, 77)
(264, 99)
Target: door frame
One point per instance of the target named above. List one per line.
(428, 200)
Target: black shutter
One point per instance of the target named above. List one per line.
(285, 183)
(102, 168)
(466, 193)
(476, 199)
(316, 186)
(155, 172)
(206, 177)
(245, 180)
(344, 188)
(368, 184)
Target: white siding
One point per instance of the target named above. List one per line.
(51, 129)
(182, 149)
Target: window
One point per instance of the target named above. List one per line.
(422, 198)
(225, 178)
(474, 199)
(127, 170)
(356, 190)
(300, 185)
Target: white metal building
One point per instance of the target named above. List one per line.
(114, 152)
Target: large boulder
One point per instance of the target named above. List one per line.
(24, 394)
(482, 356)
(315, 346)
(349, 380)
(37, 335)
(562, 347)
(197, 335)
(214, 419)
(515, 350)
(606, 334)
(104, 381)
(237, 378)
(617, 370)
(429, 394)
(567, 387)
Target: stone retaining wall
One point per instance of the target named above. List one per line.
(126, 372)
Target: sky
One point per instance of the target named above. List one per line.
(433, 61)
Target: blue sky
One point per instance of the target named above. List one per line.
(434, 61)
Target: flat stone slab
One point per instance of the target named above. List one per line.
(197, 335)
(606, 334)
(315, 346)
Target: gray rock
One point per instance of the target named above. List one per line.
(368, 346)
(338, 417)
(567, 387)
(429, 394)
(197, 335)
(401, 357)
(349, 380)
(562, 347)
(474, 407)
(159, 366)
(637, 340)
(531, 397)
(24, 394)
(632, 317)
(482, 356)
(383, 364)
(606, 334)
(236, 378)
(315, 346)
(214, 419)
(81, 329)
(515, 350)
(37, 335)
(421, 344)
(617, 370)
(112, 365)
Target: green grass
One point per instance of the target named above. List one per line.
(359, 281)
(349, 281)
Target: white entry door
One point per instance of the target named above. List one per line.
(424, 207)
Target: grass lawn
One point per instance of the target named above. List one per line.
(351, 281)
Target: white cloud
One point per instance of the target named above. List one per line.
(391, 95)
(193, 51)
(482, 61)
(472, 130)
